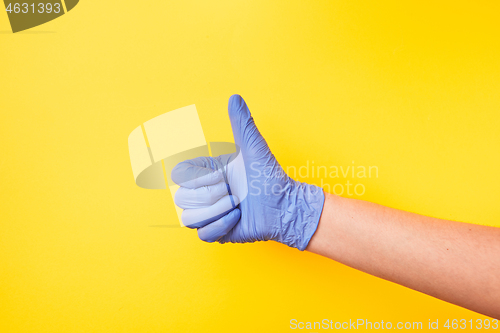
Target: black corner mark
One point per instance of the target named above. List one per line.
(25, 14)
(70, 4)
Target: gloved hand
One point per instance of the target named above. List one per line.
(246, 196)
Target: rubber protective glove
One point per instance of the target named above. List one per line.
(246, 196)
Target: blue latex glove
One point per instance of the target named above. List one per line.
(246, 196)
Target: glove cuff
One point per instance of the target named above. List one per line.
(301, 219)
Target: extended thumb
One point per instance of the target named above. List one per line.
(245, 132)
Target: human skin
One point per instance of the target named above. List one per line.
(453, 261)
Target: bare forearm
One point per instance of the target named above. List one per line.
(456, 262)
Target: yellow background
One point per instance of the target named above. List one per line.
(409, 86)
